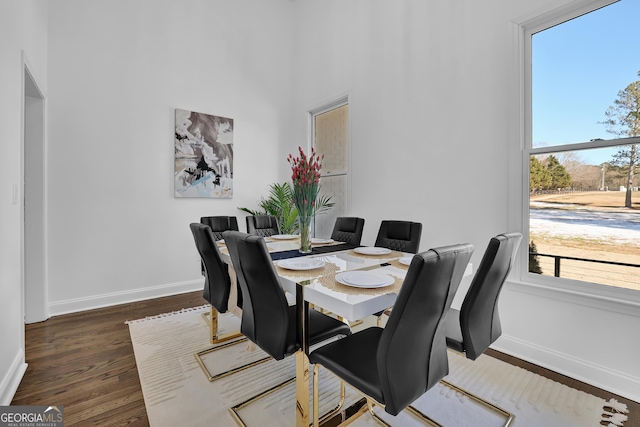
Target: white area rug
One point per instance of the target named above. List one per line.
(177, 393)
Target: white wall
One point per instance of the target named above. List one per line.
(417, 73)
(118, 69)
(430, 116)
(429, 106)
(23, 27)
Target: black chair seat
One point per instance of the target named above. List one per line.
(267, 319)
(396, 365)
(403, 236)
(473, 328)
(321, 327)
(354, 361)
(453, 331)
(477, 325)
(217, 283)
(217, 288)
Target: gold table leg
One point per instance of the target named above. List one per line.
(302, 389)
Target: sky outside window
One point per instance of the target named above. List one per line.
(578, 68)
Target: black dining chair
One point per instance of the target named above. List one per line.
(218, 224)
(262, 225)
(217, 287)
(403, 236)
(472, 329)
(267, 319)
(394, 365)
(348, 230)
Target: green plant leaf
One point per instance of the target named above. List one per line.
(280, 204)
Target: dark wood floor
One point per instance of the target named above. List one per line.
(84, 362)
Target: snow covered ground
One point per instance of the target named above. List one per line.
(612, 227)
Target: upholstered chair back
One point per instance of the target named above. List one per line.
(262, 225)
(401, 236)
(218, 224)
(479, 316)
(348, 230)
(265, 317)
(217, 284)
(412, 353)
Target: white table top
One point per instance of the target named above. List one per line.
(353, 303)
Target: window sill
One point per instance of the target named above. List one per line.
(618, 300)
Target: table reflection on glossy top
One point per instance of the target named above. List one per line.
(351, 303)
(279, 245)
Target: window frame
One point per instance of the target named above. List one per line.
(338, 101)
(325, 108)
(520, 149)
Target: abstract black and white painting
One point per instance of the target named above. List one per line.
(204, 155)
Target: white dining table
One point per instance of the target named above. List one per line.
(318, 286)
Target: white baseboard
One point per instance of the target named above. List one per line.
(11, 380)
(57, 308)
(600, 376)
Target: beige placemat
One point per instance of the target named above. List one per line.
(398, 264)
(392, 254)
(328, 268)
(330, 282)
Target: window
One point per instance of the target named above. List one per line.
(583, 210)
(330, 136)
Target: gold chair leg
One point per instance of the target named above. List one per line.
(410, 409)
(364, 409)
(423, 417)
(316, 420)
(234, 409)
(509, 416)
(380, 421)
(379, 321)
(346, 322)
(212, 320)
(213, 377)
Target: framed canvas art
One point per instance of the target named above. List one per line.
(203, 155)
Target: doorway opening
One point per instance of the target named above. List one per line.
(33, 199)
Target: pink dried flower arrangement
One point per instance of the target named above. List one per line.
(306, 181)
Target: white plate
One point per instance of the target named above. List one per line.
(301, 263)
(406, 260)
(318, 241)
(372, 250)
(364, 279)
(284, 236)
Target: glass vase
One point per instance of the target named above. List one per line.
(305, 234)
